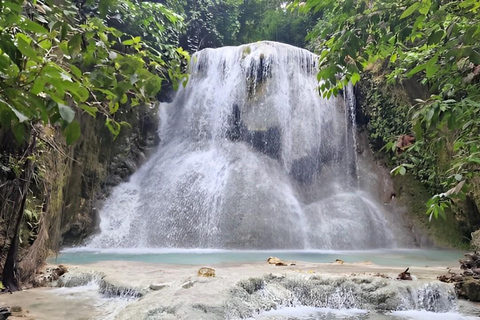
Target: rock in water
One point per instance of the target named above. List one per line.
(206, 272)
(159, 286)
(405, 275)
(469, 289)
(273, 260)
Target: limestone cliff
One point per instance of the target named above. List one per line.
(66, 184)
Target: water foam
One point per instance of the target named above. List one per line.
(251, 158)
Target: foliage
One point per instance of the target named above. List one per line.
(436, 41)
(213, 23)
(271, 20)
(56, 62)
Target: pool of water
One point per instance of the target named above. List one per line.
(396, 258)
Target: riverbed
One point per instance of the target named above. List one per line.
(179, 293)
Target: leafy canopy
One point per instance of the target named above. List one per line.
(57, 60)
(437, 42)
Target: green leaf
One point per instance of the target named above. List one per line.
(469, 36)
(355, 78)
(113, 126)
(408, 12)
(75, 71)
(393, 58)
(417, 128)
(425, 6)
(416, 70)
(75, 44)
(89, 109)
(66, 112)
(29, 25)
(435, 37)
(72, 132)
(402, 170)
(26, 49)
(19, 132)
(431, 67)
(475, 57)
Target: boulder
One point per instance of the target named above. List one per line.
(476, 240)
(469, 289)
(273, 260)
(188, 284)
(159, 286)
(50, 274)
(405, 275)
(4, 313)
(206, 272)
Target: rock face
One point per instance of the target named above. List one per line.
(103, 162)
(476, 240)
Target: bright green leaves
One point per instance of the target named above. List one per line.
(431, 67)
(132, 41)
(401, 169)
(52, 68)
(434, 43)
(423, 8)
(410, 10)
(113, 126)
(23, 45)
(436, 206)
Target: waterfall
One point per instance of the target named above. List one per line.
(251, 157)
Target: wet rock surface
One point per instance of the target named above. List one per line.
(4, 313)
(101, 163)
(48, 275)
(467, 282)
(239, 291)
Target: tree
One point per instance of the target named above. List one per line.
(438, 42)
(60, 58)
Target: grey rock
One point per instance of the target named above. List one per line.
(159, 286)
(188, 284)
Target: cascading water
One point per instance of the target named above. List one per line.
(251, 158)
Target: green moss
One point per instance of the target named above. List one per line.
(246, 51)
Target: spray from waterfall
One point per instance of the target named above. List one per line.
(251, 158)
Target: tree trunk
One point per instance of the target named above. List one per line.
(17, 198)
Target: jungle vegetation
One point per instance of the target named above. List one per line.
(62, 58)
(435, 42)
